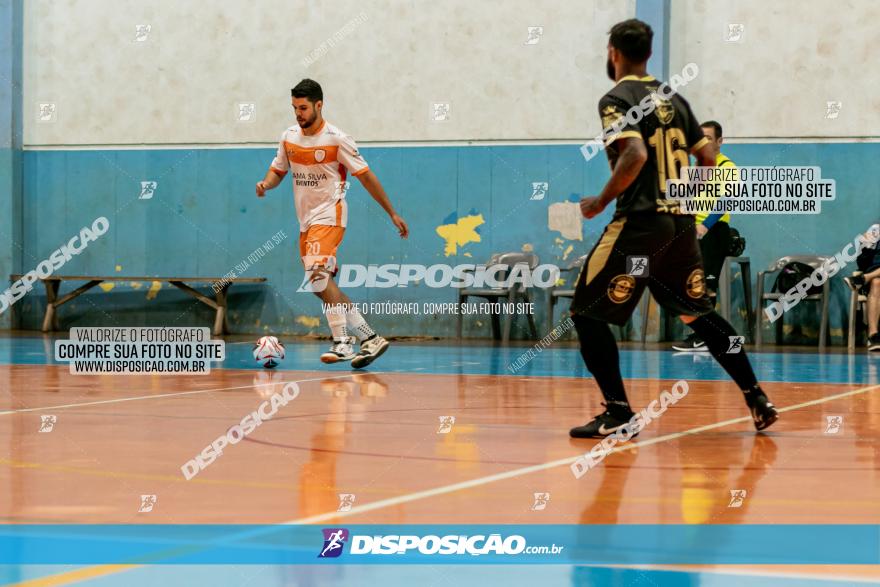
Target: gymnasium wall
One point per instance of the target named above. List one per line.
(767, 74)
(775, 76)
(204, 219)
(382, 63)
(463, 202)
(10, 139)
(181, 83)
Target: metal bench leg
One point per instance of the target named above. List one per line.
(759, 311)
(219, 304)
(646, 308)
(723, 292)
(496, 326)
(221, 326)
(508, 316)
(823, 325)
(745, 270)
(853, 310)
(50, 320)
(531, 318)
(780, 330)
(459, 318)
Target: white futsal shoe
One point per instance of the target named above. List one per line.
(371, 349)
(341, 350)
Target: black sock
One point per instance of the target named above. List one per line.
(716, 332)
(599, 350)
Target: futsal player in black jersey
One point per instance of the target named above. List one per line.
(649, 242)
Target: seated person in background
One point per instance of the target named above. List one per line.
(713, 230)
(867, 281)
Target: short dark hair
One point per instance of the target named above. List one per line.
(714, 126)
(308, 88)
(633, 38)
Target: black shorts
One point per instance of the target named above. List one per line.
(868, 260)
(657, 251)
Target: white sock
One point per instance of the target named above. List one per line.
(336, 319)
(357, 325)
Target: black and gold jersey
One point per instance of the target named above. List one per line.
(670, 132)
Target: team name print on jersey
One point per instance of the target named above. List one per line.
(311, 180)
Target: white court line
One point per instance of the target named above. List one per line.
(176, 394)
(517, 472)
(393, 501)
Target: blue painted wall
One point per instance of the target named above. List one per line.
(657, 14)
(10, 139)
(205, 218)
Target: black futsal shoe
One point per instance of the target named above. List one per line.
(691, 344)
(599, 427)
(763, 411)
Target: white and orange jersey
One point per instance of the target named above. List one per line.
(320, 164)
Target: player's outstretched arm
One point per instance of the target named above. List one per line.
(632, 157)
(704, 156)
(371, 183)
(271, 180)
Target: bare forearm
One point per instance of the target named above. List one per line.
(704, 157)
(374, 187)
(272, 179)
(624, 173)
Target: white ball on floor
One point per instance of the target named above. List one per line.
(268, 352)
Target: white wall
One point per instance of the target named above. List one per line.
(793, 58)
(183, 84)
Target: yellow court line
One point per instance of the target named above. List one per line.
(123, 475)
(148, 477)
(824, 573)
(75, 576)
(290, 486)
(67, 578)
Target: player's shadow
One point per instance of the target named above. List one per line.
(707, 497)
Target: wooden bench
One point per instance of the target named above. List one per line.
(53, 284)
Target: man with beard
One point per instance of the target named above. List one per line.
(320, 156)
(649, 242)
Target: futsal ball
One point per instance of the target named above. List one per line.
(268, 352)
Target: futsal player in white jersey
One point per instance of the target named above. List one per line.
(320, 157)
